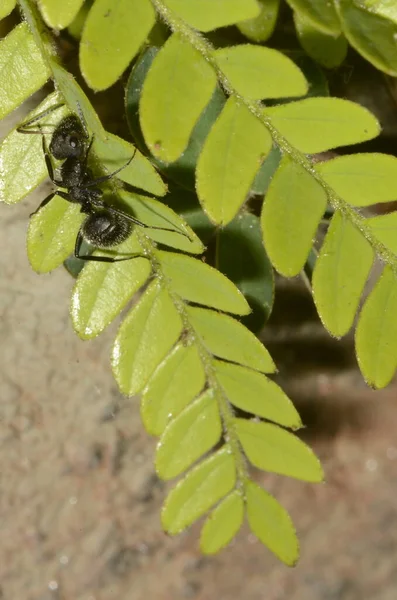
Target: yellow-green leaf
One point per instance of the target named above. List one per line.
(59, 15)
(321, 14)
(385, 229)
(294, 205)
(318, 124)
(272, 448)
(202, 487)
(256, 394)
(206, 15)
(232, 154)
(383, 8)
(187, 437)
(112, 35)
(175, 383)
(144, 339)
(222, 524)
(340, 274)
(271, 524)
(260, 28)
(103, 289)
(22, 68)
(362, 179)
(258, 72)
(6, 7)
(197, 282)
(227, 338)
(325, 48)
(177, 88)
(376, 333)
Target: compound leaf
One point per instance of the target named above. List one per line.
(112, 35)
(384, 227)
(177, 88)
(318, 124)
(272, 448)
(222, 524)
(340, 274)
(187, 437)
(325, 48)
(202, 487)
(232, 154)
(294, 205)
(103, 289)
(260, 28)
(322, 15)
(206, 15)
(257, 72)
(59, 15)
(197, 282)
(254, 393)
(376, 333)
(227, 338)
(176, 382)
(144, 339)
(271, 524)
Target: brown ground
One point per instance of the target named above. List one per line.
(79, 504)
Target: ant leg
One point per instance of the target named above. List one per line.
(43, 203)
(98, 180)
(48, 163)
(107, 259)
(25, 126)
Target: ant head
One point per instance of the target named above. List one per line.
(68, 139)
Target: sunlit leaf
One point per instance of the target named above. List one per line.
(59, 15)
(385, 229)
(227, 338)
(103, 289)
(178, 86)
(197, 282)
(256, 394)
(383, 8)
(144, 339)
(187, 437)
(272, 448)
(376, 333)
(340, 274)
(23, 70)
(175, 383)
(322, 14)
(318, 124)
(202, 487)
(327, 49)
(294, 205)
(6, 7)
(232, 154)
(222, 524)
(206, 15)
(260, 28)
(112, 35)
(271, 523)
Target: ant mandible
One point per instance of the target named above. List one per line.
(105, 226)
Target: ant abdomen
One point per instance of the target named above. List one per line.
(104, 229)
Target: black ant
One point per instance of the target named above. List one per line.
(105, 226)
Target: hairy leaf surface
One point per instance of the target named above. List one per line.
(206, 15)
(222, 524)
(385, 229)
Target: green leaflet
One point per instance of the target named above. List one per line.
(383, 8)
(260, 28)
(243, 259)
(197, 282)
(271, 524)
(177, 88)
(206, 15)
(232, 154)
(272, 448)
(227, 338)
(322, 14)
(187, 437)
(112, 35)
(294, 205)
(52, 234)
(6, 7)
(22, 165)
(374, 37)
(257, 72)
(202, 487)
(222, 524)
(59, 15)
(340, 274)
(22, 68)
(256, 394)
(327, 49)
(376, 333)
(144, 339)
(318, 124)
(362, 179)
(103, 289)
(385, 227)
(176, 382)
